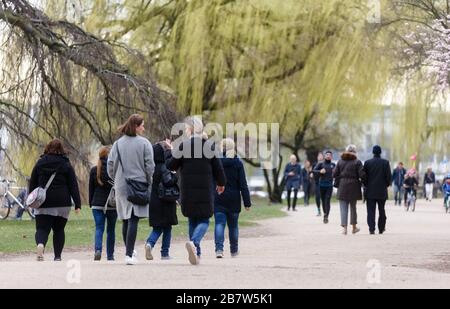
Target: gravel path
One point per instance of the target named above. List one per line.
(297, 251)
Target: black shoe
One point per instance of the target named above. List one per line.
(325, 220)
(98, 255)
(58, 259)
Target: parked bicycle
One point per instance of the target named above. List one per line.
(8, 200)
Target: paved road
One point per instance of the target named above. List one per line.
(297, 251)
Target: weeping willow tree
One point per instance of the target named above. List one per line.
(308, 65)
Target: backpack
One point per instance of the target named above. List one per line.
(168, 189)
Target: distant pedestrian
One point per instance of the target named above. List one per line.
(378, 179)
(325, 171)
(315, 181)
(429, 180)
(293, 176)
(398, 176)
(306, 181)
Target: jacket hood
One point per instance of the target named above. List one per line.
(49, 163)
(348, 156)
(228, 162)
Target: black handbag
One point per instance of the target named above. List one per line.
(137, 191)
(168, 189)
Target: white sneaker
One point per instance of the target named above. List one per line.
(131, 260)
(40, 252)
(193, 259)
(219, 254)
(134, 253)
(344, 230)
(148, 252)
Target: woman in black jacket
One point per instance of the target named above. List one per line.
(100, 186)
(54, 212)
(162, 213)
(228, 205)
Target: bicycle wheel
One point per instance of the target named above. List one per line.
(5, 208)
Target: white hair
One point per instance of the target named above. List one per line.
(228, 146)
(195, 124)
(351, 148)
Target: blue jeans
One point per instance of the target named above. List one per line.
(111, 218)
(197, 230)
(167, 236)
(230, 219)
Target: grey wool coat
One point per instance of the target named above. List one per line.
(137, 158)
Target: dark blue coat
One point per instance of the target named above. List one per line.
(398, 176)
(236, 188)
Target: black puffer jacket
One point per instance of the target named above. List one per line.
(64, 187)
(161, 213)
(198, 172)
(98, 194)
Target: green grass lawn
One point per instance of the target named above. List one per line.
(18, 236)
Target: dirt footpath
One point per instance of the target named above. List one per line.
(297, 251)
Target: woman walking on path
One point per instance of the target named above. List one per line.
(349, 176)
(200, 167)
(100, 186)
(163, 212)
(227, 206)
(131, 161)
(325, 170)
(54, 212)
(429, 180)
(306, 181)
(316, 178)
(293, 176)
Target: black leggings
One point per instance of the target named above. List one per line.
(294, 204)
(129, 233)
(325, 194)
(46, 223)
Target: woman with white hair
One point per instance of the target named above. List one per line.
(349, 176)
(228, 206)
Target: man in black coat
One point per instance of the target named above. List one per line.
(379, 178)
(199, 168)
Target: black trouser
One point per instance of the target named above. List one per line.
(371, 215)
(325, 194)
(129, 233)
(306, 189)
(294, 204)
(317, 190)
(46, 223)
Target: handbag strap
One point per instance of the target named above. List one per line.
(49, 182)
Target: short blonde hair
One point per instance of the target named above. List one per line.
(228, 146)
(351, 148)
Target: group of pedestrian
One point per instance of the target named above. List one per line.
(134, 180)
(351, 178)
(297, 178)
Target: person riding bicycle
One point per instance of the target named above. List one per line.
(410, 184)
(446, 188)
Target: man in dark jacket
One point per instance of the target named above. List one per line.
(325, 171)
(379, 178)
(200, 167)
(398, 176)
